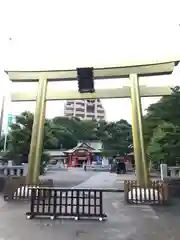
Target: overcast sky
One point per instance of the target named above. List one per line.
(54, 34)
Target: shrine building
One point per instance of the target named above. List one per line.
(86, 152)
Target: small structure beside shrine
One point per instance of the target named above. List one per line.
(86, 152)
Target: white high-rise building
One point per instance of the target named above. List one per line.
(85, 109)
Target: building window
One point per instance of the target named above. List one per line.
(100, 111)
(70, 103)
(79, 109)
(90, 109)
(80, 103)
(90, 116)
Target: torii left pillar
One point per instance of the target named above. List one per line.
(36, 146)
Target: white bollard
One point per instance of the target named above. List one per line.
(5, 172)
(18, 172)
(11, 171)
(25, 167)
(164, 171)
(10, 163)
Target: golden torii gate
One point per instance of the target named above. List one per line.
(135, 92)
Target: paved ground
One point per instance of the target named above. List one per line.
(99, 180)
(68, 178)
(124, 222)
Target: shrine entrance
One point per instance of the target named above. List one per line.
(133, 90)
(79, 158)
(81, 154)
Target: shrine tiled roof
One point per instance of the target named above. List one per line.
(81, 146)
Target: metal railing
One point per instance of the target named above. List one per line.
(76, 203)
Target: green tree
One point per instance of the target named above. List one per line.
(2, 142)
(162, 123)
(74, 129)
(20, 136)
(167, 109)
(64, 137)
(165, 144)
(154, 149)
(65, 132)
(116, 136)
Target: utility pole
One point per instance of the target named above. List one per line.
(2, 115)
(3, 106)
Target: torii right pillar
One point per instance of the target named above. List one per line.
(138, 134)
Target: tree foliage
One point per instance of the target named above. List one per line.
(63, 132)
(167, 109)
(165, 143)
(162, 129)
(116, 136)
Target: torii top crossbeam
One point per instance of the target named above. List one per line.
(122, 71)
(147, 69)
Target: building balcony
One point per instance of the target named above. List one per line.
(68, 112)
(91, 113)
(69, 108)
(100, 111)
(100, 108)
(100, 115)
(80, 104)
(79, 109)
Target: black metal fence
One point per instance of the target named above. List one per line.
(155, 194)
(77, 203)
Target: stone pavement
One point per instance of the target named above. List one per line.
(124, 222)
(100, 180)
(67, 178)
